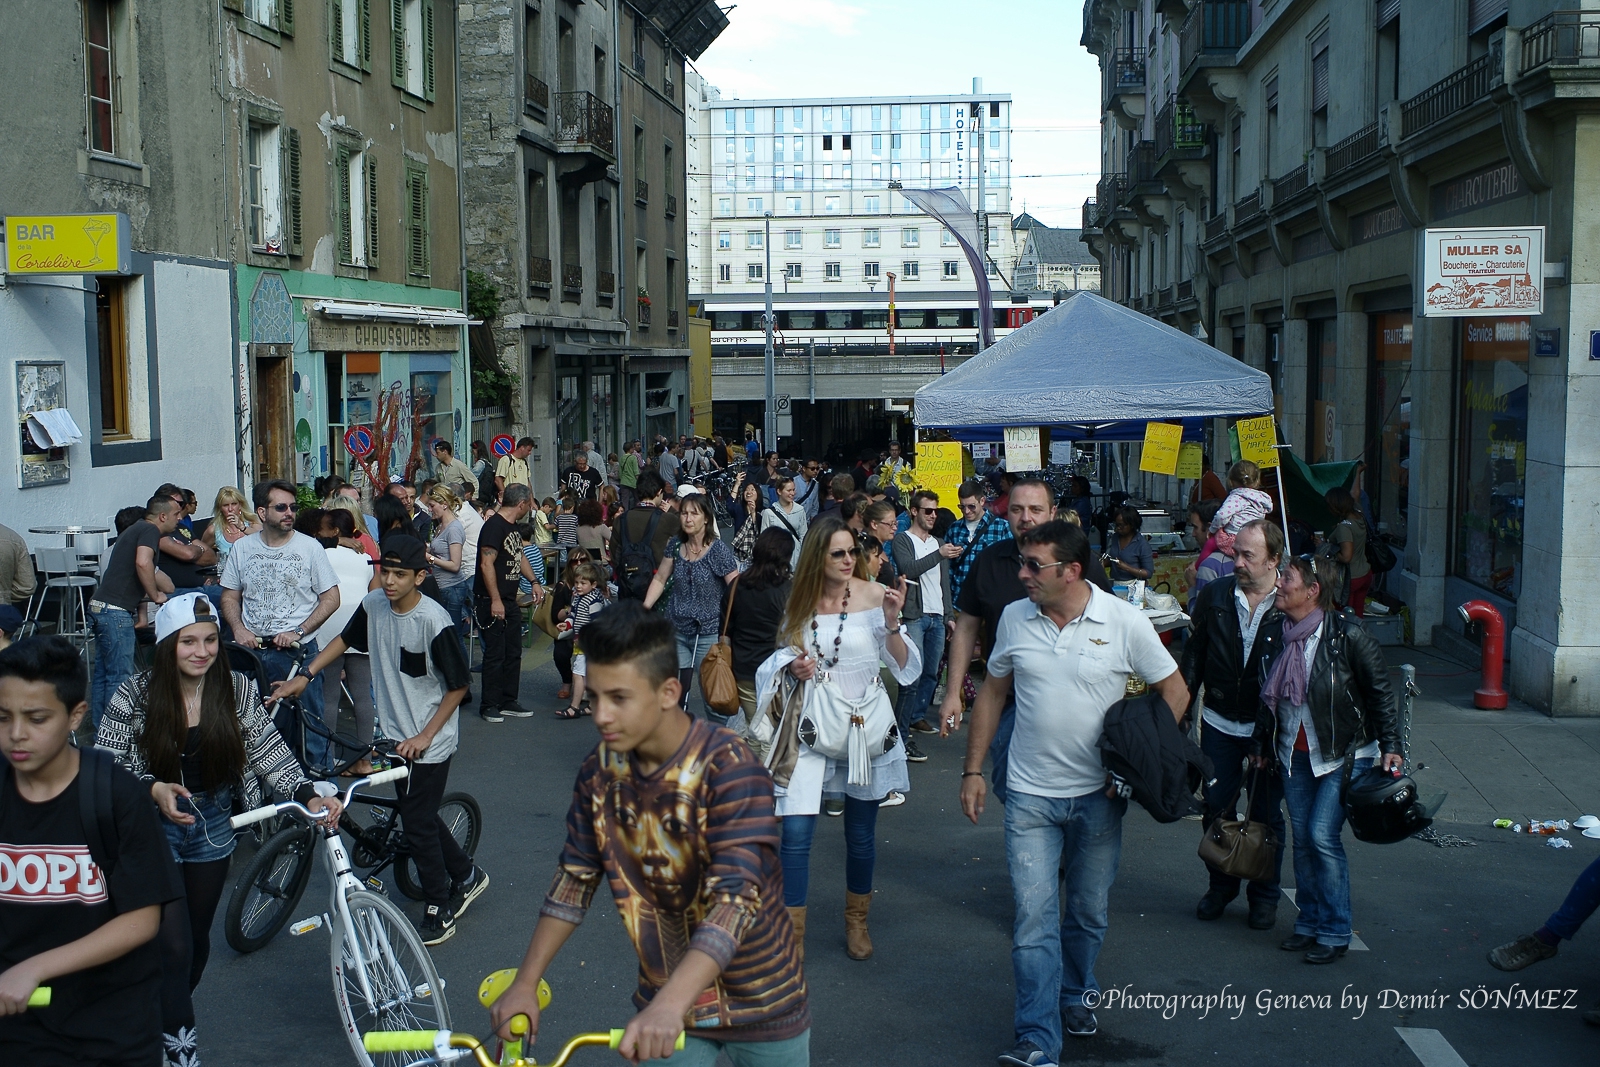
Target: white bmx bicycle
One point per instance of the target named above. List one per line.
(383, 977)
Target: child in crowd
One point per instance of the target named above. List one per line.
(560, 602)
(588, 597)
(419, 677)
(1245, 504)
(678, 815)
(535, 557)
(10, 622)
(566, 527)
(88, 931)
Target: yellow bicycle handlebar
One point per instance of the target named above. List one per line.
(425, 1041)
(39, 998)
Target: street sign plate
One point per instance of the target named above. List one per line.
(502, 445)
(358, 440)
(785, 425)
(783, 404)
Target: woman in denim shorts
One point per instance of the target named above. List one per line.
(197, 733)
(696, 568)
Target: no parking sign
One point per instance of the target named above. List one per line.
(358, 440)
(502, 445)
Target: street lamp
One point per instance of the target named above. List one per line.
(770, 421)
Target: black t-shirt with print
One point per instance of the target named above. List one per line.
(501, 536)
(582, 484)
(51, 894)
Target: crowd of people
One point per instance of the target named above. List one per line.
(843, 604)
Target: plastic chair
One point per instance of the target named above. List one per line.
(91, 549)
(60, 568)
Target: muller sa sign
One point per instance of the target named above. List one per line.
(1479, 271)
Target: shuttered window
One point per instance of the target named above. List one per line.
(1319, 72)
(411, 36)
(372, 210)
(418, 244)
(1387, 11)
(1482, 12)
(341, 180)
(296, 228)
(286, 17)
(1272, 93)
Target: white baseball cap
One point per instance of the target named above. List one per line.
(181, 611)
(687, 489)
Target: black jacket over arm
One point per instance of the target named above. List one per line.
(1348, 691)
(1214, 652)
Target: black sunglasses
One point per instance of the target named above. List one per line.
(841, 553)
(282, 508)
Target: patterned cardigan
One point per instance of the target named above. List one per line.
(266, 755)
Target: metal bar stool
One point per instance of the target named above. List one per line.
(61, 569)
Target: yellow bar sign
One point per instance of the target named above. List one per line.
(68, 244)
(1160, 452)
(1258, 440)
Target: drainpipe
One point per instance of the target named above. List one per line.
(461, 225)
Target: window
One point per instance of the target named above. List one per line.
(749, 149)
(870, 204)
(724, 205)
(777, 118)
(870, 238)
(877, 172)
(994, 139)
(111, 318)
(830, 238)
(944, 115)
(732, 181)
(946, 238)
(1492, 446)
(925, 142)
(827, 142)
(799, 148)
(844, 172)
(994, 109)
(101, 73)
(419, 251)
(877, 117)
(869, 270)
(750, 118)
(791, 238)
(753, 204)
(910, 271)
(877, 144)
(831, 272)
(358, 208)
(725, 272)
(894, 142)
(1319, 89)
(830, 204)
(944, 144)
(538, 218)
(799, 117)
(753, 239)
(944, 169)
(749, 177)
(794, 203)
(827, 118)
(927, 116)
(791, 272)
(894, 116)
(910, 237)
(349, 26)
(730, 148)
(264, 221)
(952, 269)
(991, 201)
(729, 120)
(724, 239)
(262, 12)
(753, 272)
(894, 172)
(533, 48)
(991, 270)
(412, 30)
(777, 149)
(846, 138)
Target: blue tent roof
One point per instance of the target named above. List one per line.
(1090, 368)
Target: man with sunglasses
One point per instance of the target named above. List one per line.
(976, 531)
(806, 491)
(278, 588)
(925, 565)
(1066, 652)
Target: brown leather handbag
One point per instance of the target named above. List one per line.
(1239, 847)
(717, 684)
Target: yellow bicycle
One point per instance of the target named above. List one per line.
(447, 1046)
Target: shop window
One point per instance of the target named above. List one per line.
(1321, 384)
(1491, 458)
(1388, 477)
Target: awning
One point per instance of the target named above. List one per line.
(373, 311)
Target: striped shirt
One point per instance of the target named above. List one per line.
(691, 852)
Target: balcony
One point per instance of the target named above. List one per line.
(1091, 215)
(1291, 185)
(1124, 86)
(644, 315)
(1215, 28)
(672, 206)
(1246, 208)
(1354, 150)
(1447, 97)
(586, 137)
(1561, 38)
(1142, 164)
(1186, 290)
(535, 93)
(1214, 228)
(672, 318)
(638, 62)
(1178, 132)
(572, 279)
(605, 284)
(539, 276)
(666, 89)
(641, 191)
(1110, 193)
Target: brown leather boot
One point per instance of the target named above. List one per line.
(797, 919)
(857, 942)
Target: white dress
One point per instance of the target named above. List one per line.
(863, 646)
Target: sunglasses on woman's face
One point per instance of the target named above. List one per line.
(841, 553)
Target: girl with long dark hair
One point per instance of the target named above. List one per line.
(759, 596)
(698, 565)
(197, 733)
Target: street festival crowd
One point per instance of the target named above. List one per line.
(832, 619)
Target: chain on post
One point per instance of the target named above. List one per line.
(1410, 690)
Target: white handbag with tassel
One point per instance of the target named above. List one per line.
(835, 726)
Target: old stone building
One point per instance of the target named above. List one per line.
(573, 145)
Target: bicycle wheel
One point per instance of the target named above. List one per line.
(464, 819)
(406, 993)
(266, 893)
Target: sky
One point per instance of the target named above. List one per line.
(782, 48)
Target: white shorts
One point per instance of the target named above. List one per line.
(580, 665)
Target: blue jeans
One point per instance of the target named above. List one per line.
(277, 663)
(1321, 869)
(457, 600)
(1053, 948)
(701, 1052)
(860, 850)
(114, 646)
(1582, 899)
(927, 633)
(1000, 749)
(1227, 754)
(209, 837)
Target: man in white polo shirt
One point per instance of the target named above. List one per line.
(1068, 651)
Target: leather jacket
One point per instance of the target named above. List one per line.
(1348, 691)
(1214, 650)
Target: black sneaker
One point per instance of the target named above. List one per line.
(923, 726)
(464, 893)
(913, 753)
(1027, 1054)
(516, 711)
(490, 715)
(1079, 1021)
(437, 926)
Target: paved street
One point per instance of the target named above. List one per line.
(939, 988)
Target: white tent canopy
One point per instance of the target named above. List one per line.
(1090, 368)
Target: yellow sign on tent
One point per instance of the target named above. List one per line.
(1189, 457)
(940, 469)
(1161, 442)
(1258, 441)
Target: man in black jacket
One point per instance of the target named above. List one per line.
(1235, 622)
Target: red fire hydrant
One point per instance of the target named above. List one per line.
(1491, 694)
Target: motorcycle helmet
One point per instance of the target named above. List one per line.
(1381, 808)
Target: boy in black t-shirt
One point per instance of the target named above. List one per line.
(86, 932)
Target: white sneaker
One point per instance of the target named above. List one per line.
(893, 800)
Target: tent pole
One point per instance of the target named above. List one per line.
(1283, 502)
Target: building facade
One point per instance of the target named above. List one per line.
(858, 273)
(1054, 260)
(120, 311)
(1269, 175)
(575, 149)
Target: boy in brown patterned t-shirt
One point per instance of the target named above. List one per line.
(679, 816)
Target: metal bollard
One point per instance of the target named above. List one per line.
(1408, 690)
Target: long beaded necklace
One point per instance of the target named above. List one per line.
(838, 638)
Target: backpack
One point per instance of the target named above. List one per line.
(94, 805)
(635, 561)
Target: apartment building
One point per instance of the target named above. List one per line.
(574, 160)
(114, 299)
(1270, 173)
(806, 187)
